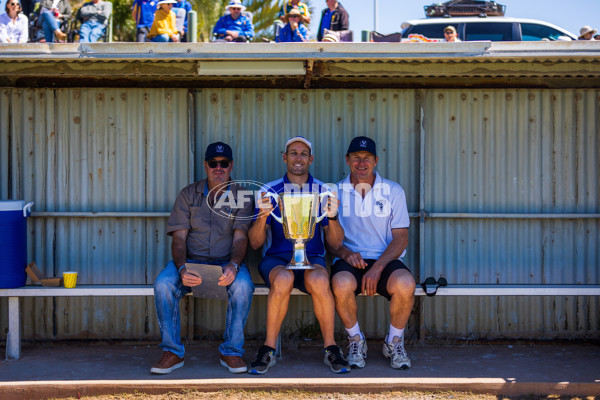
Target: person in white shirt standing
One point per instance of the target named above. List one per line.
(375, 219)
(13, 25)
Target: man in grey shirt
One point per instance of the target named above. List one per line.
(209, 224)
(94, 16)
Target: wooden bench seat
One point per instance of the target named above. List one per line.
(13, 340)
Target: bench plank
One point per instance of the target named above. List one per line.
(262, 290)
(13, 339)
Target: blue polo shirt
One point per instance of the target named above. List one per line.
(146, 10)
(326, 20)
(242, 25)
(276, 242)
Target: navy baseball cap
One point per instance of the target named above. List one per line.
(218, 149)
(362, 143)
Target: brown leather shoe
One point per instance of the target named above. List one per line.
(167, 363)
(60, 35)
(234, 364)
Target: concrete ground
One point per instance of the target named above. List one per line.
(66, 369)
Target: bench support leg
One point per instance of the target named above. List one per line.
(278, 354)
(13, 339)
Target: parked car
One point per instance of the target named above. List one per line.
(496, 29)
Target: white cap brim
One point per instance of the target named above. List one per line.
(298, 139)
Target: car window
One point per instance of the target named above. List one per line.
(433, 31)
(533, 32)
(494, 31)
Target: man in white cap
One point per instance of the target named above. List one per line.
(234, 26)
(298, 157)
(587, 33)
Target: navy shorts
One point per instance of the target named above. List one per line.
(269, 262)
(341, 265)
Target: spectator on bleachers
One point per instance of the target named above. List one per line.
(13, 25)
(142, 12)
(54, 13)
(187, 6)
(587, 33)
(334, 17)
(164, 27)
(287, 7)
(596, 37)
(294, 30)
(234, 27)
(94, 18)
(450, 34)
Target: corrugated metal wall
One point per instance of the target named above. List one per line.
(484, 153)
(493, 153)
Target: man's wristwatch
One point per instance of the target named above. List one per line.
(333, 218)
(237, 267)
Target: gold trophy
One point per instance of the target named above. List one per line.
(299, 218)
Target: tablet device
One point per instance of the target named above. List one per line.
(210, 274)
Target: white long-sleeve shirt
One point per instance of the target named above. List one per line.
(17, 32)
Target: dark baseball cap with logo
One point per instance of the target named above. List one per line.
(362, 143)
(218, 149)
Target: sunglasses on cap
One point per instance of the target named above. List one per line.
(214, 163)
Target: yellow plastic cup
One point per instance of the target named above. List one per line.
(70, 279)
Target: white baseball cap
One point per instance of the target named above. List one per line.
(298, 139)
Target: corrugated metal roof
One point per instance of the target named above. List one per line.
(302, 65)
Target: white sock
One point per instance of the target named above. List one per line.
(394, 332)
(355, 330)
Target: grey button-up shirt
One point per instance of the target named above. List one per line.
(211, 227)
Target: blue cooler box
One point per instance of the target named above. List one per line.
(13, 243)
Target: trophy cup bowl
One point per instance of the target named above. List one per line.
(299, 219)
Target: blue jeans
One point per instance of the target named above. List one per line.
(91, 31)
(161, 38)
(168, 290)
(49, 25)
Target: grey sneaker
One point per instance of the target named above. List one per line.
(395, 351)
(265, 358)
(334, 359)
(357, 352)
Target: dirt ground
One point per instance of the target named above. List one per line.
(296, 395)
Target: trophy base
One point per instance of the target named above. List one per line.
(299, 266)
(300, 259)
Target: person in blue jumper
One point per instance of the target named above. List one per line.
(234, 27)
(142, 12)
(294, 30)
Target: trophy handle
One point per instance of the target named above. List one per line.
(276, 198)
(329, 194)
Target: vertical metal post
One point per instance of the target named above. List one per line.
(109, 30)
(375, 15)
(13, 339)
(421, 211)
(192, 26)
